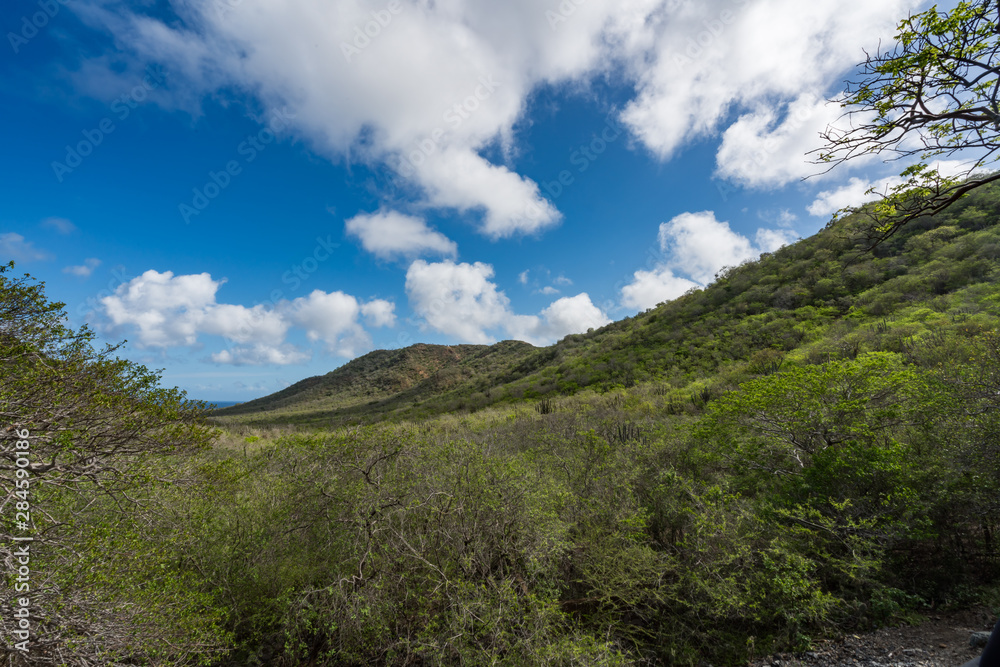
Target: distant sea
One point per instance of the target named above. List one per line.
(224, 404)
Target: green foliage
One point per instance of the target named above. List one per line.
(82, 434)
(937, 83)
(805, 447)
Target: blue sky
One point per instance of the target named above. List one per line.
(253, 192)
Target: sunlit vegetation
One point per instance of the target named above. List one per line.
(808, 446)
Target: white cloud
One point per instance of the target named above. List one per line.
(84, 270)
(165, 310)
(649, 288)
(759, 151)
(261, 355)
(716, 56)
(379, 313)
(441, 82)
(769, 240)
(171, 311)
(523, 277)
(699, 245)
(438, 84)
(695, 248)
(461, 179)
(571, 314)
(14, 246)
(389, 234)
(333, 318)
(460, 300)
(457, 299)
(61, 225)
(243, 325)
(548, 290)
(853, 193)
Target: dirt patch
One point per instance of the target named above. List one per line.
(940, 641)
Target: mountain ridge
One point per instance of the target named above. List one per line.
(820, 298)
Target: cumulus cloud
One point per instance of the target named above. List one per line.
(84, 270)
(714, 57)
(695, 248)
(390, 234)
(649, 288)
(333, 318)
(163, 309)
(457, 299)
(568, 315)
(699, 245)
(433, 85)
(379, 313)
(438, 83)
(769, 240)
(462, 301)
(14, 246)
(170, 311)
(761, 151)
(853, 193)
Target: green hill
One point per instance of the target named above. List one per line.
(821, 298)
(385, 378)
(804, 449)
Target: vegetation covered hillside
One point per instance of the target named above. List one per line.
(806, 448)
(387, 376)
(822, 298)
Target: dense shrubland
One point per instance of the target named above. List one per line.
(806, 447)
(816, 499)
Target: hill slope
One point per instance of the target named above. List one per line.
(386, 376)
(822, 298)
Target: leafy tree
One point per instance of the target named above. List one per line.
(78, 432)
(933, 94)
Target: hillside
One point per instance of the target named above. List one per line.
(386, 377)
(805, 449)
(821, 298)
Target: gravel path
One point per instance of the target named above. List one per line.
(941, 641)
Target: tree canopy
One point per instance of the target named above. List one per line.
(933, 95)
(80, 433)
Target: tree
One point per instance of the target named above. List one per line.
(79, 429)
(934, 94)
